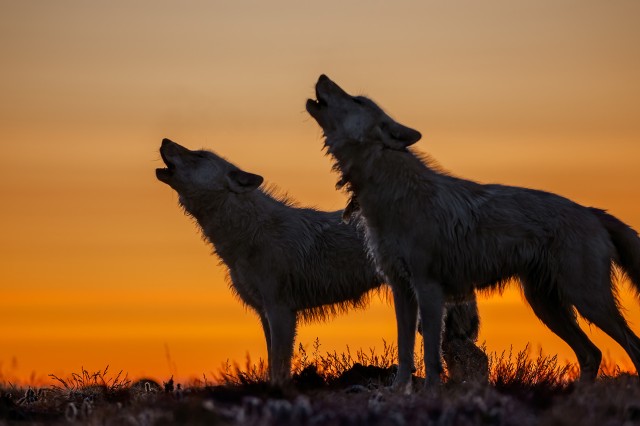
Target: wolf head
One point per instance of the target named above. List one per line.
(355, 120)
(201, 173)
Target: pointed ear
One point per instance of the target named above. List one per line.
(397, 136)
(240, 181)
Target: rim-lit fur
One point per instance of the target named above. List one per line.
(286, 263)
(443, 237)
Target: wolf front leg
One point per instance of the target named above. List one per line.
(406, 311)
(282, 326)
(431, 306)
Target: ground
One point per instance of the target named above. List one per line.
(334, 389)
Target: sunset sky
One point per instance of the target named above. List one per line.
(99, 265)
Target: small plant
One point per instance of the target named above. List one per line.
(608, 370)
(77, 382)
(168, 385)
(30, 396)
(234, 374)
(521, 370)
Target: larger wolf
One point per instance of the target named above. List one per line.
(439, 236)
(289, 263)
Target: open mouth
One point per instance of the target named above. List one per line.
(314, 105)
(164, 174)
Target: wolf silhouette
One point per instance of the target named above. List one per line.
(440, 237)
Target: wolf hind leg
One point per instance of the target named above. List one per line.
(560, 318)
(599, 306)
(465, 361)
(462, 320)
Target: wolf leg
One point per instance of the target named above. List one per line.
(431, 305)
(599, 306)
(282, 323)
(267, 335)
(561, 320)
(465, 361)
(406, 310)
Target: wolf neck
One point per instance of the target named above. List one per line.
(232, 222)
(367, 171)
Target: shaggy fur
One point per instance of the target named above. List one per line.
(442, 237)
(286, 263)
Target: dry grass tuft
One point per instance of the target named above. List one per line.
(521, 370)
(98, 379)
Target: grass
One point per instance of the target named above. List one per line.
(315, 369)
(333, 388)
(85, 379)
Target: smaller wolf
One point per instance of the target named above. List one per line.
(441, 237)
(287, 263)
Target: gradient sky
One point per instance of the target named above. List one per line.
(98, 264)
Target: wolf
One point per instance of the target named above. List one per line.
(284, 262)
(440, 237)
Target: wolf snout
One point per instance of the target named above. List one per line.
(326, 89)
(323, 85)
(166, 147)
(166, 142)
(169, 148)
(323, 92)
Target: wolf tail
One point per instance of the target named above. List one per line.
(627, 243)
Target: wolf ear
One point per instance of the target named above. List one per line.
(397, 136)
(240, 181)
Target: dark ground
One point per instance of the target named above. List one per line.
(522, 391)
(359, 397)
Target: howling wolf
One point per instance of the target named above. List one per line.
(288, 263)
(441, 237)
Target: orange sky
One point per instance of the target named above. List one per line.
(98, 264)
